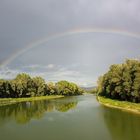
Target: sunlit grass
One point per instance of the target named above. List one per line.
(124, 105)
(8, 101)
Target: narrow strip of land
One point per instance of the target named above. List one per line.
(123, 105)
(9, 101)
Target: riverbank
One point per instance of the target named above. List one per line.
(9, 101)
(123, 105)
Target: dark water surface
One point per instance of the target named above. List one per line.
(71, 118)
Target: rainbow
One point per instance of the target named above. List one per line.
(63, 34)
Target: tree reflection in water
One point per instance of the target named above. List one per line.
(121, 125)
(23, 112)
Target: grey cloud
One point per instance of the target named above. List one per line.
(51, 76)
(22, 21)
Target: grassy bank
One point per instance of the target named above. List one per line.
(123, 105)
(8, 101)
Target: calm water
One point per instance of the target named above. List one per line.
(72, 118)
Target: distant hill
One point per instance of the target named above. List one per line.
(88, 88)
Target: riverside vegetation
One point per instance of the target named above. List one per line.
(121, 82)
(23, 87)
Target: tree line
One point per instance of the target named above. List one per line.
(25, 86)
(121, 82)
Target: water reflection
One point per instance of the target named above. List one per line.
(122, 125)
(23, 112)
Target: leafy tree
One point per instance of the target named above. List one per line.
(4, 88)
(22, 83)
(51, 89)
(25, 86)
(39, 86)
(121, 82)
(67, 88)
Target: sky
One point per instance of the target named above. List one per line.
(74, 40)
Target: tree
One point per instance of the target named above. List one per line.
(67, 88)
(39, 86)
(4, 88)
(121, 82)
(51, 89)
(25, 86)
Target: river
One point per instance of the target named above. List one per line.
(69, 118)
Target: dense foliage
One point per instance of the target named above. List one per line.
(122, 82)
(67, 88)
(25, 86)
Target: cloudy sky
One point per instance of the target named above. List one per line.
(41, 37)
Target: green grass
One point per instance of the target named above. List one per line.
(8, 101)
(123, 105)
